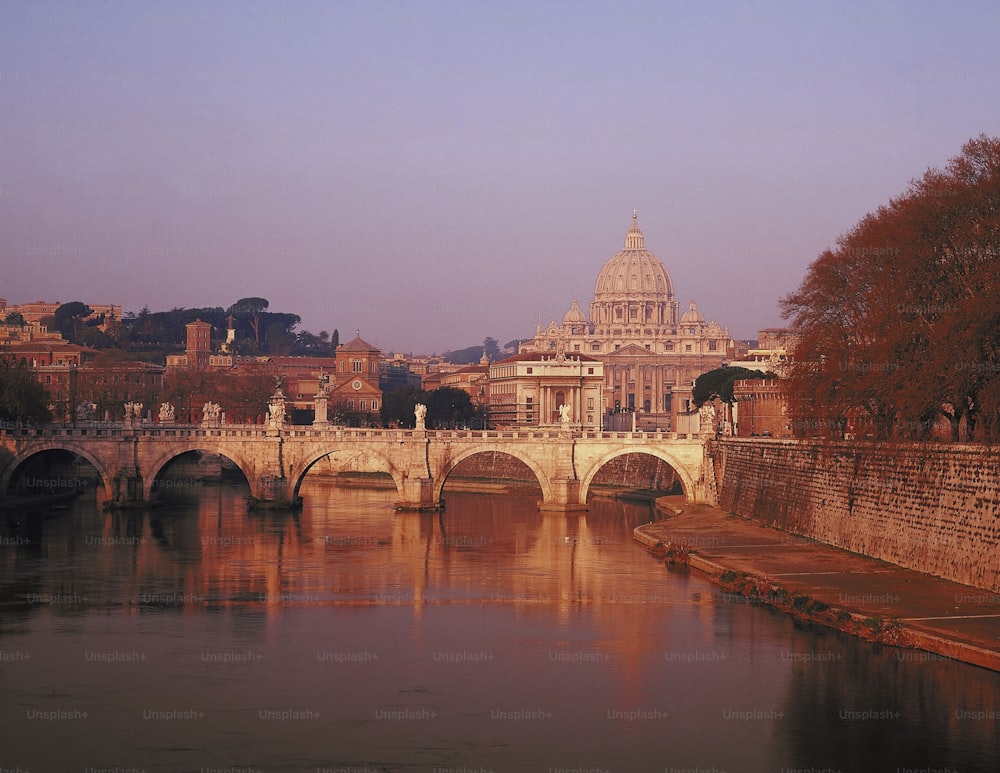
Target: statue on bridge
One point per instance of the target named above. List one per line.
(276, 410)
(420, 411)
(211, 414)
(133, 414)
(565, 415)
(166, 413)
(86, 411)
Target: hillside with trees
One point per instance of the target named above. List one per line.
(900, 322)
(152, 335)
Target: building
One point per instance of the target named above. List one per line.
(760, 409)
(471, 379)
(529, 389)
(36, 311)
(17, 334)
(301, 377)
(772, 351)
(397, 373)
(45, 353)
(651, 353)
(354, 396)
(198, 349)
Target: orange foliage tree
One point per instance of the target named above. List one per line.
(900, 323)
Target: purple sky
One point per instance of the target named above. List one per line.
(434, 173)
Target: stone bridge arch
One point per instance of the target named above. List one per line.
(155, 465)
(453, 461)
(298, 470)
(687, 480)
(20, 459)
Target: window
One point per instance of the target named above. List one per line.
(590, 403)
(356, 366)
(590, 371)
(687, 347)
(364, 405)
(350, 404)
(374, 405)
(669, 346)
(713, 346)
(529, 371)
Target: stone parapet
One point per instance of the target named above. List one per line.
(930, 507)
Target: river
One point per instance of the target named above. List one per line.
(487, 637)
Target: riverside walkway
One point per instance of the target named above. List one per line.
(928, 613)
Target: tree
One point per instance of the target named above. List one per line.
(397, 405)
(69, 316)
(491, 348)
(449, 408)
(14, 319)
(243, 395)
(280, 341)
(900, 323)
(466, 356)
(251, 309)
(22, 398)
(719, 383)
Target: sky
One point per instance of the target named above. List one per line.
(433, 173)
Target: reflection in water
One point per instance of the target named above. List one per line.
(489, 636)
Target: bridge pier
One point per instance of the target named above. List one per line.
(418, 494)
(564, 497)
(127, 489)
(272, 493)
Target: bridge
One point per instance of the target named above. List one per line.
(128, 457)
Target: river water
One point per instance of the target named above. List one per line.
(487, 637)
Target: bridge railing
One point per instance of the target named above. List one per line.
(116, 429)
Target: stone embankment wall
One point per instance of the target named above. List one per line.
(930, 507)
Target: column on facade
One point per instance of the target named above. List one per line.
(654, 386)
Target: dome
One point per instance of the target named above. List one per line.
(634, 287)
(575, 315)
(634, 272)
(692, 316)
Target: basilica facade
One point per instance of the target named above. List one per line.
(651, 351)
